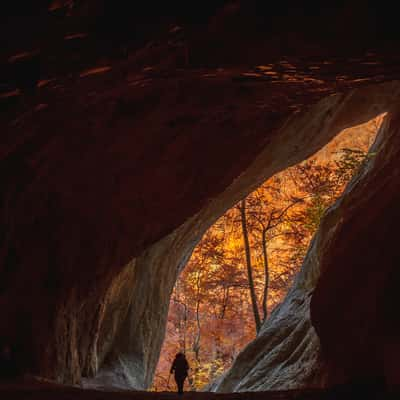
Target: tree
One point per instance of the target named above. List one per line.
(321, 184)
(268, 210)
(246, 242)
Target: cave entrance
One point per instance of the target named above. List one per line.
(246, 261)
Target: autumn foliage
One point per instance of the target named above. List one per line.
(226, 292)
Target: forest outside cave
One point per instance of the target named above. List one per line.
(246, 261)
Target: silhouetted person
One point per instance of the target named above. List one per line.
(180, 367)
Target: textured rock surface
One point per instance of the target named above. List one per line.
(286, 352)
(142, 335)
(111, 169)
(358, 289)
(63, 217)
(132, 361)
(353, 307)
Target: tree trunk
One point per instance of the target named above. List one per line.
(185, 317)
(248, 263)
(196, 344)
(266, 275)
(224, 303)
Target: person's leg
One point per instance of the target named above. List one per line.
(179, 382)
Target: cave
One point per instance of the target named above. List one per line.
(122, 146)
(212, 314)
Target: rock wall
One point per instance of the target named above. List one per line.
(133, 358)
(109, 179)
(285, 353)
(355, 305)
(350, 277)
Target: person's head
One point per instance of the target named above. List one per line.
(179, 355)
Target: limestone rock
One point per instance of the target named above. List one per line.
(354, 308)
(352, 269)
(109, 178)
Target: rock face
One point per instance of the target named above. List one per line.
(360, 277)
(119, 324)
(74, 215)
(132, 354)
(110, 174)
(350, 274)
(285, 354)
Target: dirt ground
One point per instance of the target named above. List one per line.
(49, 391)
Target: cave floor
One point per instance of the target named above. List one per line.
(44, 391)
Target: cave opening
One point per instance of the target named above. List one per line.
(109, 333)
(111, 337)
(121, 147)
(247, 261)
